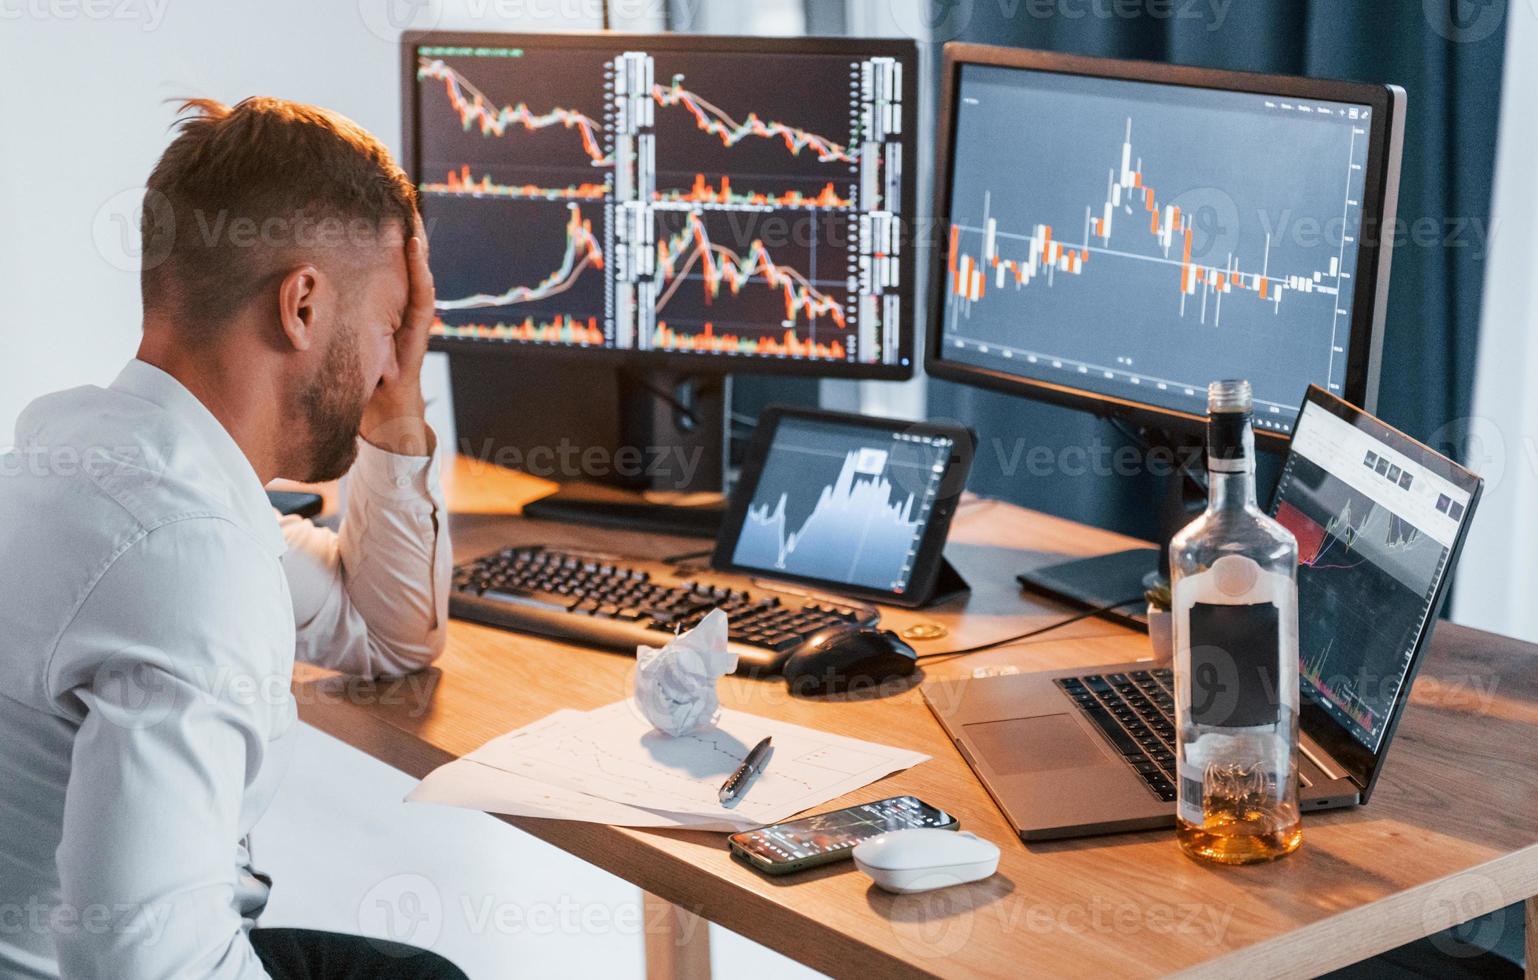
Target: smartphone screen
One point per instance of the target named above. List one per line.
(831, 836)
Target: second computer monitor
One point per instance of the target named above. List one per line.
(689, 202)
(1118, 234)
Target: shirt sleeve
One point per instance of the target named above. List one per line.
(372, 599)
(169, 667)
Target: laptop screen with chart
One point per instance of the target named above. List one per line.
(858, 505)
(1167, 233)
(1379, 520)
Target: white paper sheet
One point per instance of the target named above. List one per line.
(611, 766)
(471, 785)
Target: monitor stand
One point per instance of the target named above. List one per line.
(603, 506)
(678, 423)
(641, 451)
(1095, 583)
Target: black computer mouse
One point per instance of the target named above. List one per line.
(843, 658)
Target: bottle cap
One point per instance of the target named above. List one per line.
(1229, 442)
(1233, 397)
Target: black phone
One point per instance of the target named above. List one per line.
(785, 847)
(293, 502)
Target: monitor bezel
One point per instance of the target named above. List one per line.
(678, 361)
(927, 564)
(1379, 206)
(1362, 764)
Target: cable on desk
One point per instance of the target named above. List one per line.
(667, 398)
(1069, 621)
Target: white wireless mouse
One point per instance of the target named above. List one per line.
(923, 858)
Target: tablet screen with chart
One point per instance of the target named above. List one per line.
(848, 504)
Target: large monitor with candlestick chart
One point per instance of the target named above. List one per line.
(1115, 235)
(691, 203)
(1118, 234)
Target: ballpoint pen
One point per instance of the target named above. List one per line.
(738, 781)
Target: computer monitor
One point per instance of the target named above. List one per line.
(1118, 234)
(671, 202)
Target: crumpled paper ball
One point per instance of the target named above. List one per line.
(675, 685)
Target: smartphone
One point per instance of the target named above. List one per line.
(785, 847)
(291, 502)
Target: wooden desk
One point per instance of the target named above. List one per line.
(1451, 832)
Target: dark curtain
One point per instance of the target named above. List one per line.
(1446, 54)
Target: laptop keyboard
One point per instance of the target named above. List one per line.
(1136, 712)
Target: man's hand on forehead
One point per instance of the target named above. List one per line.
(394, 419)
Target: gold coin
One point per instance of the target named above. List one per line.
(924, 631)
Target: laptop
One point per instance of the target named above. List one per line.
(1380, 520)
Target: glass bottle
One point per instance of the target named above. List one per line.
(1233, 576)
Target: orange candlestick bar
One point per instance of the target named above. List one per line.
(462, 182)
(788, 344)
(701, 192)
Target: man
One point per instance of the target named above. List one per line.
(152, 604)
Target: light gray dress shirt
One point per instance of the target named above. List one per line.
(152, 605)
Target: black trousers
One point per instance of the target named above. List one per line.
(307, 954)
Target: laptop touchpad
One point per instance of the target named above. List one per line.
(1037, 744)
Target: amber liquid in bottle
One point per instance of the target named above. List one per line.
(1235, 598)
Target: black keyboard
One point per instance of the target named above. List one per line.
(608, 603)
(1136, 712)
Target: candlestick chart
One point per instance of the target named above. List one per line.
(1138, 241)
(675, 202)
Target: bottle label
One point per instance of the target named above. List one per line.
(1226, 439)
(1235, 664)
(1189, 807)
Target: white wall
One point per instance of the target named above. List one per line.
(1498, 574)
(85, 119)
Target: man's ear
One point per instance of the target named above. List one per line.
(296, 306)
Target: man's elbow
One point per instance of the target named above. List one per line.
(393, 658)
(437, 641)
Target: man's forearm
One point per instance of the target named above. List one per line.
(376, 600)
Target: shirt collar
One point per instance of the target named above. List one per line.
(243, 488)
